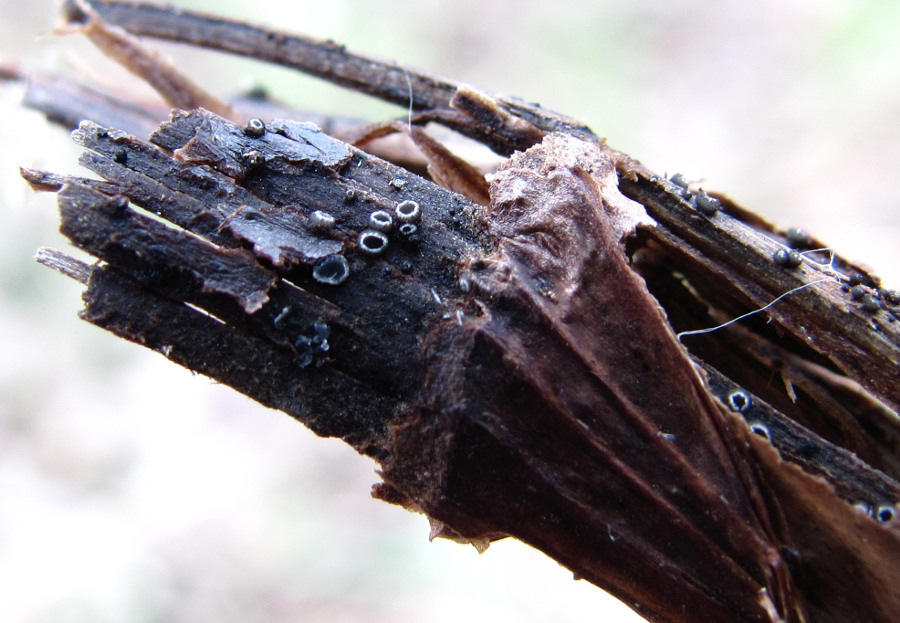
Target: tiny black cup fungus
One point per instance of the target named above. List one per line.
(372, 241)
(707, 204)
(408, 211)
(798, 238)
(857, 292)
(255, 128)
(739, 401)
(870, 303)
(787, 259)
(320, 221)
(679, 180)
(381, 220)
(761, 430)
(304, 348)
(891, 297)
(321, 333)
(885, 514)
(332, 270)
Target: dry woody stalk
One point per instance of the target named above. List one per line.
(526, 353)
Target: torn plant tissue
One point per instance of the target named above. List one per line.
(557, 166)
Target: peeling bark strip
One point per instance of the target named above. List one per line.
(558, 274)
(514, 367)
(108, 229)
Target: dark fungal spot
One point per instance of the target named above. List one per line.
(349, 195)
(857, 292)
(257, 93)
(787, 259)
(381, 220)
(761, 430)
(321, 333)
(870, 303)
(798, 238)
(807, 450)
(304, 348)
(117, 206)
(120, 156)
(332, 270)
(706, 204)
(279, 320)
(312, 344)
(255, 128)
(320, 221)
(679, 180)
(891, 297)
(372, 241)
(739, 400)
(885, 514)
(408, 211)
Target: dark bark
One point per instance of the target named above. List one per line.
(515, 367)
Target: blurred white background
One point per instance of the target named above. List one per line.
(120, 501)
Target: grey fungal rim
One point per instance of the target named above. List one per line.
(255, 128)
(408, 211)
(679, 180)
(367, 241)
(739, 401)
(707, 204)
(332, 270)
(408, 229)
(760, 429)
(381, 220)
(320, 221)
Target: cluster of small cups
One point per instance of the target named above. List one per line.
(706, 203)
(405, 220)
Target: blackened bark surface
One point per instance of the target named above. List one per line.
(514, 367)
(721, 254)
